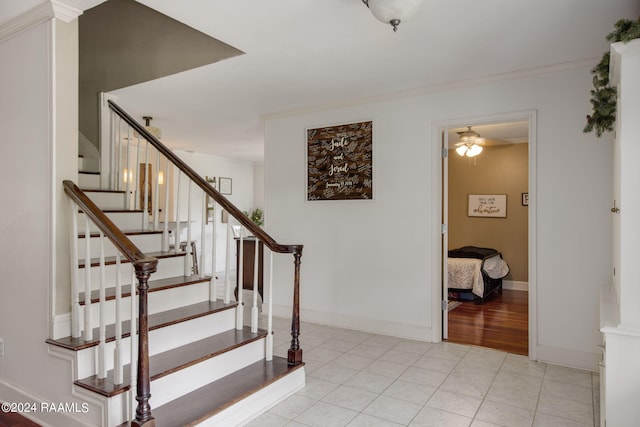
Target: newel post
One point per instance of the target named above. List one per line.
(294, 356)
(143, 391)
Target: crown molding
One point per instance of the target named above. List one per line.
(40, 14)
(440, 87)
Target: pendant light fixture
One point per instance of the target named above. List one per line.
(393, 12)
(469, 144)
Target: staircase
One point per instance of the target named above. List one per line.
(151, 343)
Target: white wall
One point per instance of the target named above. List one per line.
(34, 161)
(242, 195)
(368, 264)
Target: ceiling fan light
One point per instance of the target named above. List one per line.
(461, 150)
(393, 11)
(474, 150)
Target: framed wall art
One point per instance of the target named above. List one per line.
(340, 162)
(225, 185)
(488, 205)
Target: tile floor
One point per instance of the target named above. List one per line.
(362, 379)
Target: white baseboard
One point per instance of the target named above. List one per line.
(376, 326)
(569, 358)
(40, 410)
(515, 285)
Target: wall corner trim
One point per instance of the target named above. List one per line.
(38, 15)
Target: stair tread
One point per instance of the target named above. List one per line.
(126, 232)
(118, 210)
(175, 359)
(154, 286)
(95, 262)
(156, 321)
(213, 398)
(98, 190)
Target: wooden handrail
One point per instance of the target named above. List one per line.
(111, 231)
(205, 186)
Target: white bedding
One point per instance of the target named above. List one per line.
(465, 273)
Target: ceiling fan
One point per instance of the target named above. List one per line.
(470, 144)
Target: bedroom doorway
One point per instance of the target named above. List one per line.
(486, 178)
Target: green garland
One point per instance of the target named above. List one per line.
(603, 96)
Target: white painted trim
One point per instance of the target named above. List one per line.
(376, 326)
(40, 14)
(442, 87)
(569, 358)
(61, 325)
(13, 394)
(436, 202)
(515, 285)
(621, 331)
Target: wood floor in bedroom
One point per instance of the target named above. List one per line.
(500, 323)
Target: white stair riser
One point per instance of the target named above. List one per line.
(189, 379)
(167, 267)
(192, 378)
(250, 407)
(145, 242)
(123, 220)
(167, 299)
(88, 180)
(160, 340)
(107, 200)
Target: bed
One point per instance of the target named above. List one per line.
(475, 273)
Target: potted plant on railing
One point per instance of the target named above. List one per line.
(603, 95)
(256, 215)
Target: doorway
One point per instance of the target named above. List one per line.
(500, 178)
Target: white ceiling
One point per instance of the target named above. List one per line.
(308, 54)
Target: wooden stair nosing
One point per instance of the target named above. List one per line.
(98, 190)
(205, 402)
(173, 360)
(95, 262)
(89, 172)
(127, 233)
(154, 286)
(156, 321)
(118, 210)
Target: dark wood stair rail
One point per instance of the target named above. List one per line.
(143, 266)
(294, 355)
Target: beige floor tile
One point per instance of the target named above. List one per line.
(431, 417)
(394, 410)
(454, 402)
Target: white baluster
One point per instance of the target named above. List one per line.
(136, 188)
(205, 213)
(102, 363)
(145, 202)
(188, 257)
(88, 330)
(227, 266)
(165, 232)
(213, 291)
(75, 273)
(254, 308)
(156, 197)
(118, 170)
(113, 168)
(128, 176)
(269, 343)
(176, 238)
(118, 362)
(240, 282)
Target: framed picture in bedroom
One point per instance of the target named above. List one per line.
(487, 205)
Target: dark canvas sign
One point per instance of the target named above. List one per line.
(340, 162)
